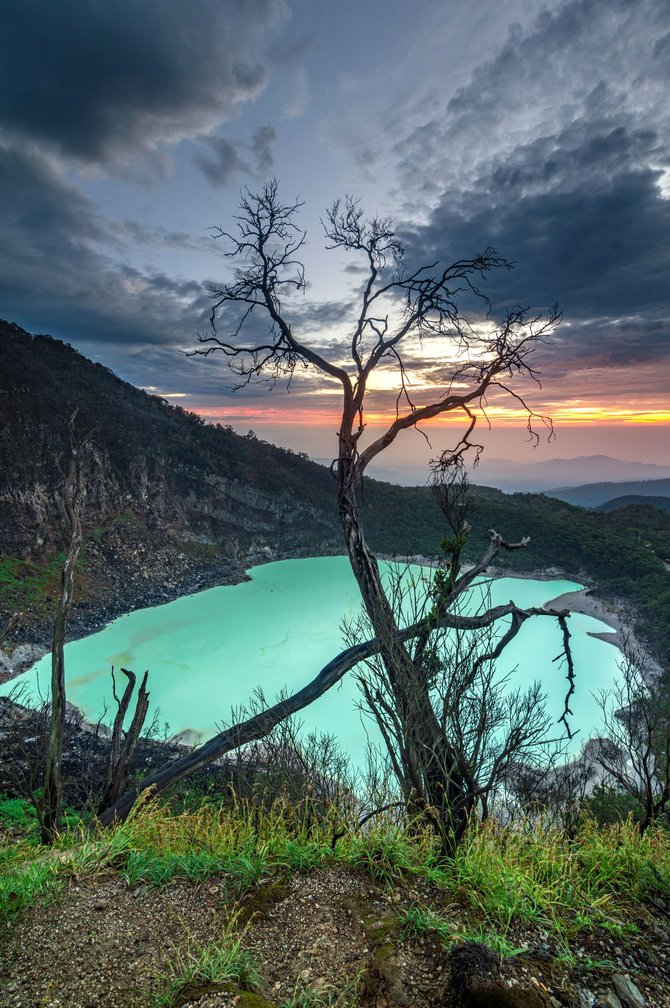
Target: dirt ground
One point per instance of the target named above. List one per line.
(103, 944)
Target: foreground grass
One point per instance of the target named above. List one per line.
(499, 877)
(201, 967)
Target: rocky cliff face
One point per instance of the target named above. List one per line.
(169, 503)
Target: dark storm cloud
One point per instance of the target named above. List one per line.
(598, 248)
(226, 160)
(597, 243)
(261, 146)
(142, 234)
(563, 168)
(99, 81)
(585, 60)
(314, 318)
(356, 269)
(54, 277)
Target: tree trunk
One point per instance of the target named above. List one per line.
(10, 626)
(431, 777)
(52, 799)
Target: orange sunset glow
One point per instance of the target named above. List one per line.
(509, 416)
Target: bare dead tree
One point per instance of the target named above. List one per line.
(400, 309)
(484, 727)
(95, 762)
(556, 791)
(122, 744)
(25, 730)
(24, 737)
(52, 799)
(294, 764)
(26, 733)
(635, 749)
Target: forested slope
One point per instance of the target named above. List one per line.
(622, 552)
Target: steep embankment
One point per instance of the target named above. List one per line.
(170, 504)
(199, 483)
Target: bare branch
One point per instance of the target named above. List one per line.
(634, 750)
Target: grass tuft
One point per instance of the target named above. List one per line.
(535, 874)
(417, 922)
(26, 884)
(327, 996)
(197, 967)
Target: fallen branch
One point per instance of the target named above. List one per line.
(258, 726)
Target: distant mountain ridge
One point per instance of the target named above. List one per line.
(634, 500)
(563, 473)
(595, 494)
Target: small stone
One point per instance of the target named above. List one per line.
(610, 1000)
(627, 991)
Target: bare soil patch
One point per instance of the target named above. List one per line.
(105, 945)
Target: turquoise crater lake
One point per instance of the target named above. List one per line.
(208, 652)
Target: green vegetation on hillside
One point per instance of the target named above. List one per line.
(28, 581)
(591, 495)
(632, 500)
(44, 378)
(621, 552)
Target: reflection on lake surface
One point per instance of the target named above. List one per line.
(208, 652)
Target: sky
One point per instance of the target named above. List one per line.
(129, 129)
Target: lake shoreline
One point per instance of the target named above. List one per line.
(583, 600)
(276, 630)
(87, 622)
(34, 640)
